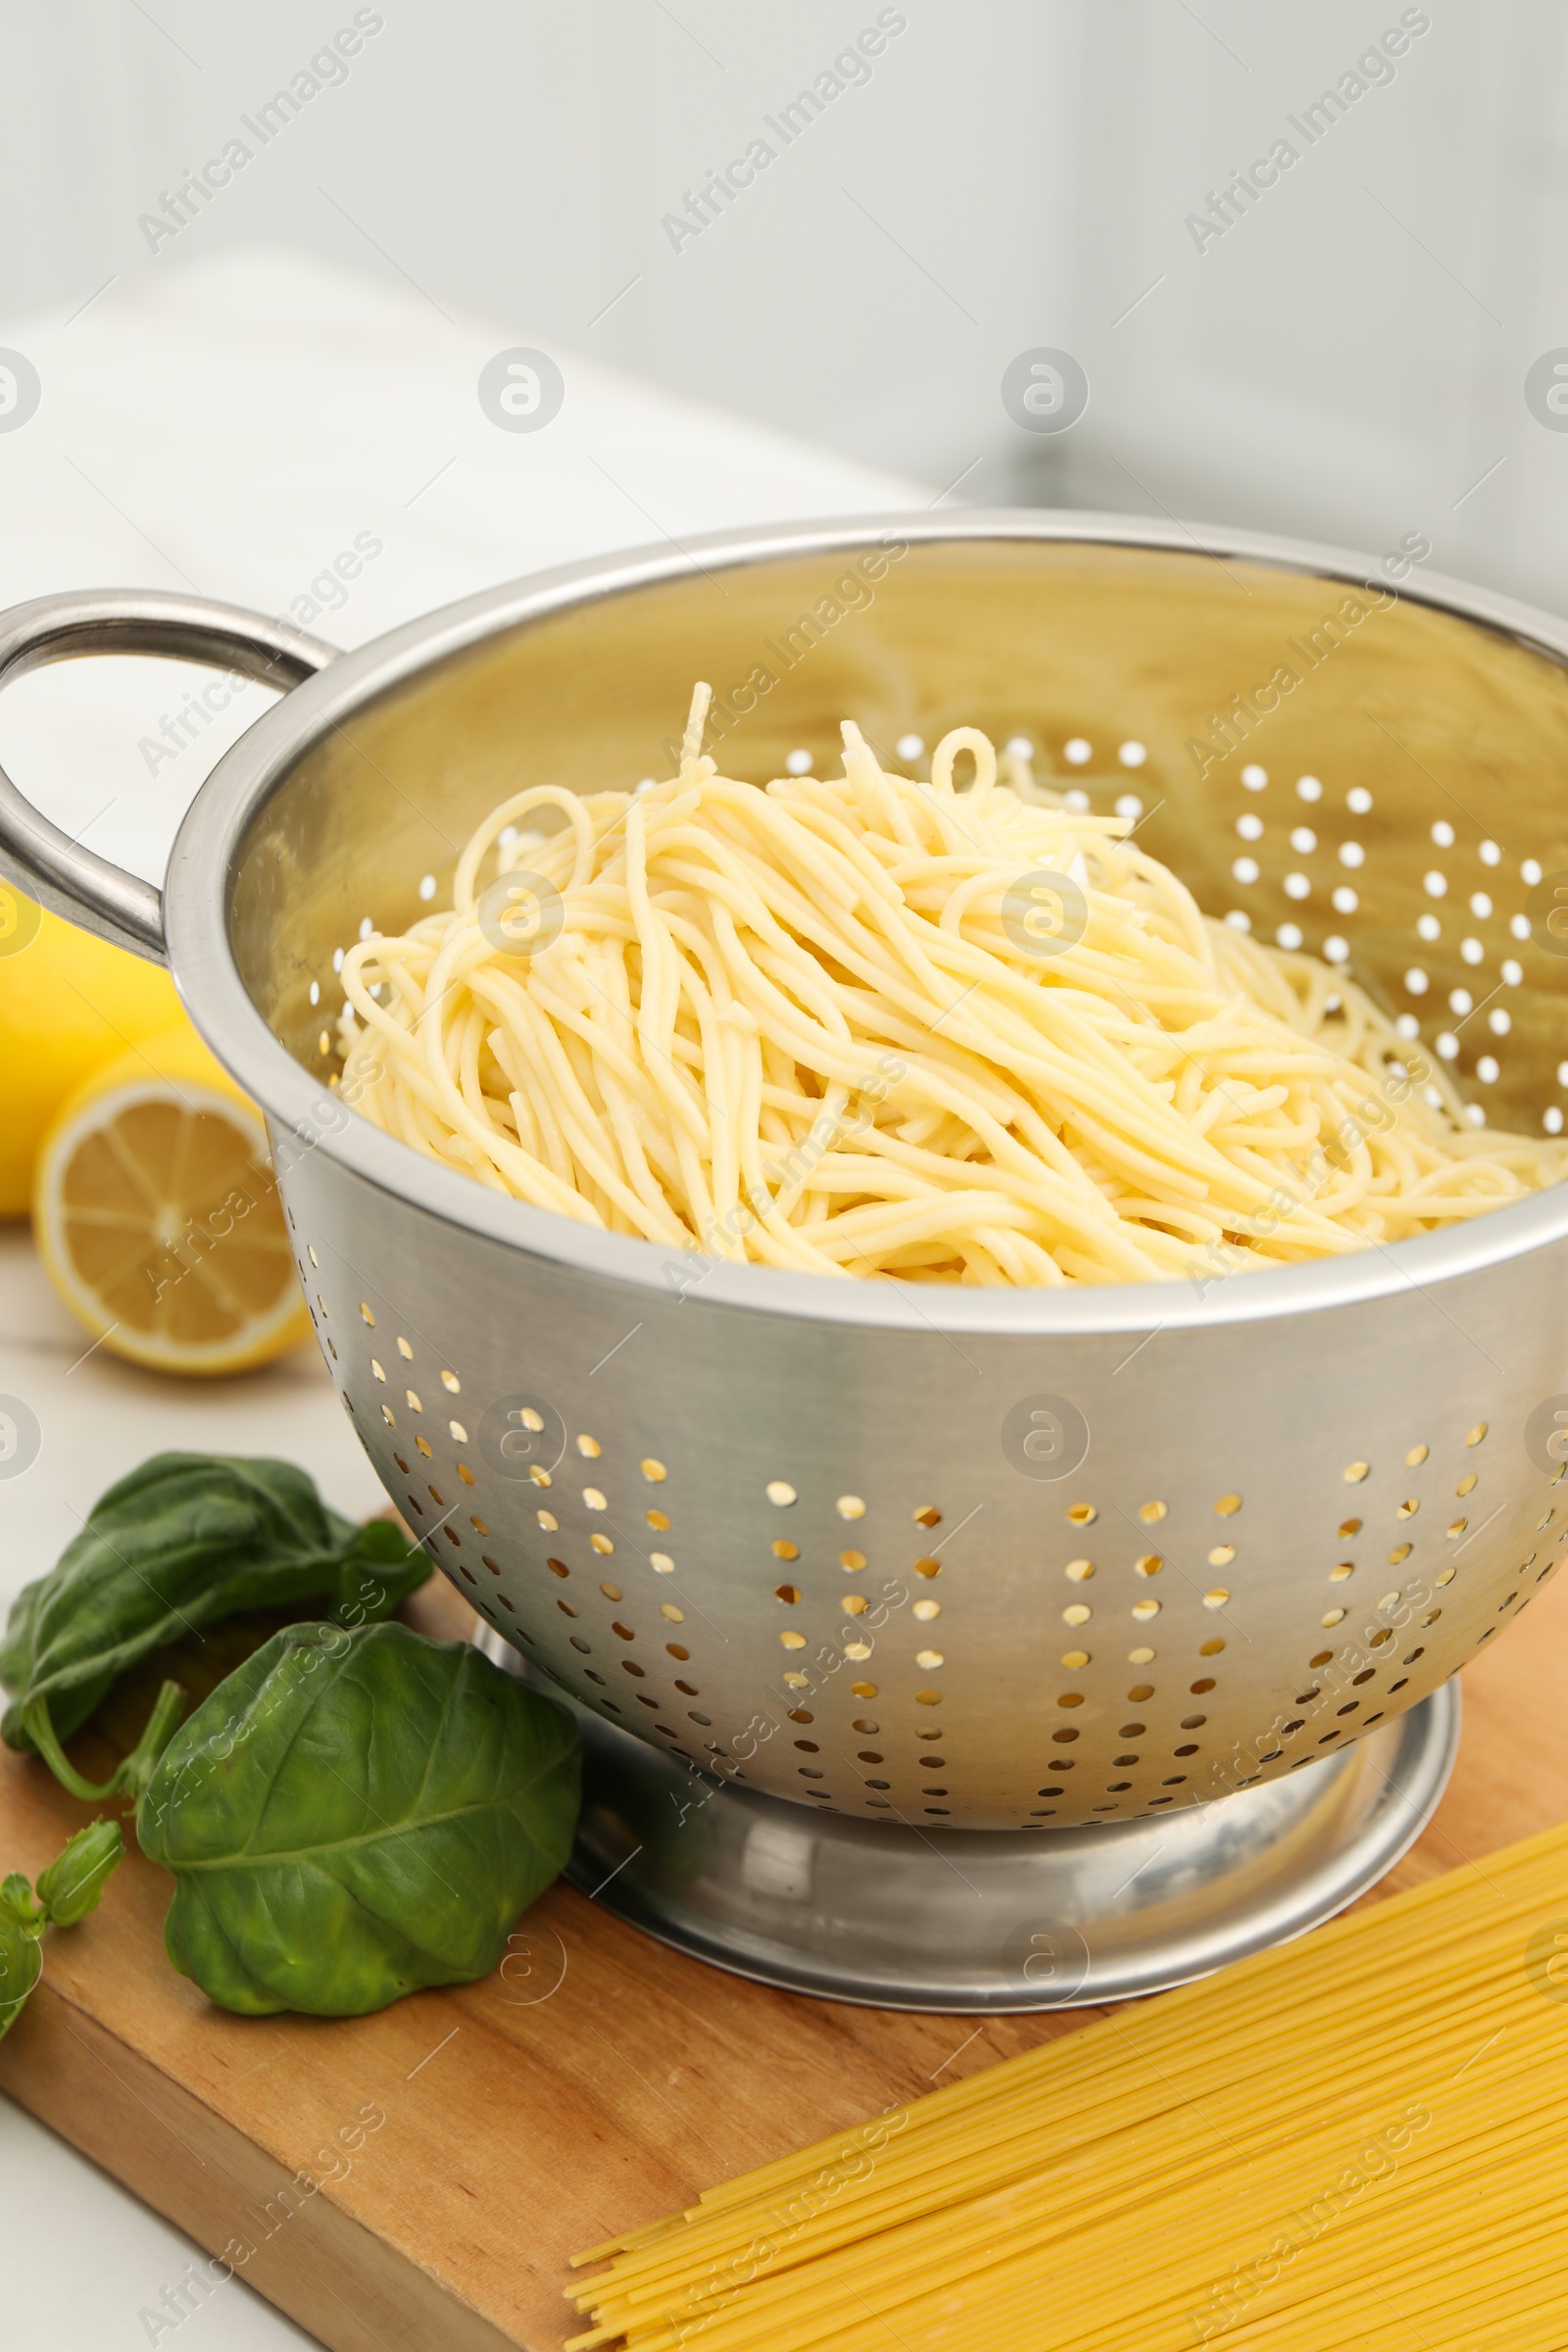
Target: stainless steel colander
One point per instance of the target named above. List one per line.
(944, 1558)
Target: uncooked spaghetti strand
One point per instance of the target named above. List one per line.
(1436, 1926)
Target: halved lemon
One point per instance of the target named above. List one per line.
(157, 1215)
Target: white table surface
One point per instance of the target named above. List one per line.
(232, 429)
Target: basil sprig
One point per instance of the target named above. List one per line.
(354, 1813)
(182, 1544)
(67, 1890)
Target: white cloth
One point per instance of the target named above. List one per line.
(236, 425)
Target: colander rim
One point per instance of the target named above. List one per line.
(306, 1117)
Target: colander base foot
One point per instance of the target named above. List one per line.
(896, 1916)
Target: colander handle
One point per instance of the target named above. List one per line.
(47, 864)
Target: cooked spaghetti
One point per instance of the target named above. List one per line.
(1358, 2139)
(870, 1025)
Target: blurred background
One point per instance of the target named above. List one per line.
(1347, 358)
(258, 261)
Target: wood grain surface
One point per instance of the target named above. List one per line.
(595, 2081)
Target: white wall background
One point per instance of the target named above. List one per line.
(1347, 362)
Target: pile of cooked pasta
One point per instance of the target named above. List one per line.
(943, 1031)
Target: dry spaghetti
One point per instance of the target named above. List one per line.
(870, 1025)
(1360, 2140)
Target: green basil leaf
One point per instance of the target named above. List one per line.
(353, 1815)
(21, 1966)
(67, 1889)
(17, 1897)
(183, 1542)
(69, 1886)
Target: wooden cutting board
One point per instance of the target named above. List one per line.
(419, 2178)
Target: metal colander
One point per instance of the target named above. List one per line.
(948, 1557)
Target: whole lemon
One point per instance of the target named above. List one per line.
(69, 1002)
